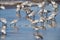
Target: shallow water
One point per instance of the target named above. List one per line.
(26, 33)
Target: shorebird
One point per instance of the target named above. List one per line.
(41, 4)
(52, 23)
(55, 5)
(28, 10)
(53, 15)
(4, 25)
(35, 21)
(2, 7)
(32, 21)
(28, 18)
(51, 18)
(25, 3)
(28, 4)
(3, 30)
(43, 11)
(39, 27)
(31, 14)
(14, 21)
(36, 28)
(53, 2)
(46, 11)
(42, 19)
(3, 20)
(13, 24)
(18, 7)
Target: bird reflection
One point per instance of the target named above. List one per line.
(3, 37)
(37, 35)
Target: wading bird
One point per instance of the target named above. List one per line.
(52, 23)
(55, 5)
(4, 25)
(39, 27)
(52, 16)
(28, 10)
(32, 21)
(31, 14)
(13, 24)
(2, 7)
(42, 4)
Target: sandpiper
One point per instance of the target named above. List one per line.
(39, 27)
(32, 21)
(55, 5)
(41, 4)
(32, 14)
(52, 23)
(53, 15)
(2, 7)
(13, 24)
(4, 25)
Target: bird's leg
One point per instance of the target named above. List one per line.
(34, 17)
(37, 31)
(35, 24)
(15, 27)
(46, 17)
(18, 12)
